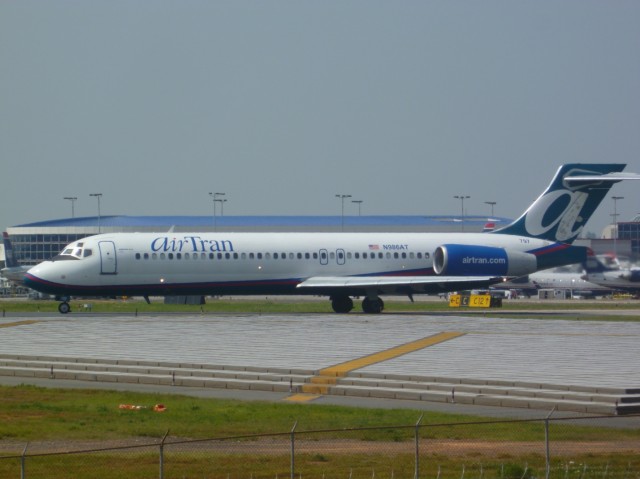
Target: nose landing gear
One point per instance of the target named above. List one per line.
(64, 307)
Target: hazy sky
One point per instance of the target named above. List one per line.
(284, 104)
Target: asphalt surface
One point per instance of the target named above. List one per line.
(589, 353)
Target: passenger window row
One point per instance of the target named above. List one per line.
(323, 255)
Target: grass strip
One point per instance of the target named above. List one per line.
(29, 413)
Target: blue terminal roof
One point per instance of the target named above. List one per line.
(230, 221)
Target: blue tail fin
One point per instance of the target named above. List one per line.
(10, 258)
(562, 211)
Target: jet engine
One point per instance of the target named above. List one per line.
(632, 275)
(477, 260)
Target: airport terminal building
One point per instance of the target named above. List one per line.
(36, 242)
(630, 231)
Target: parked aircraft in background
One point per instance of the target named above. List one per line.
(338, 265)
(607, 272)
(12, 270)
(570, 278)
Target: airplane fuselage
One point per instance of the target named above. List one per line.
(262, 263)
(339, 265)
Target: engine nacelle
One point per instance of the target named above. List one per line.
(632, 275)
(477, 260)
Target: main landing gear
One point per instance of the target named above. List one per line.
(372, 305)
(344, 304)
(341, 304)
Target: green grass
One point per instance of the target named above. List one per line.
(383, 449)
(354, 466)
(133, 306)
(29, 413)
(534, 309)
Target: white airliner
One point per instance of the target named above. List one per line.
(568, 278)
(606, 271)
(338, 265)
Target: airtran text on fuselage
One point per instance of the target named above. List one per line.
(190, 244)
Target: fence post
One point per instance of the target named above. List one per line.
(293, 450)
(162, 454)
(416, 473)
(546, 442)
(23, 471)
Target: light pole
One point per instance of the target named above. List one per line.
(342, 198)
(222, 202)
(615, 223)
(215, 196)
(359, 203)
(462, 198)
(98, 196)
(73, 201)
(492, 204)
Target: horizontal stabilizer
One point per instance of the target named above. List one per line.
(609, 177)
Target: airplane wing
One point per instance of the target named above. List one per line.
(396, 284)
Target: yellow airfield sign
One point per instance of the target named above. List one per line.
(471, 301)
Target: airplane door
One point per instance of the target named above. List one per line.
(340, 256)
(324, 257)
(108, 260)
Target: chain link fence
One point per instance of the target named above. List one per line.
(567, 448)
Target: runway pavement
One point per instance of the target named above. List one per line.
(579, 354)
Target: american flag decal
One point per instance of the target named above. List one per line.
(374, 246)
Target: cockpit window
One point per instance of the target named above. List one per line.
(74, 251)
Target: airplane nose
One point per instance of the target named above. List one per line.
(29, 280)
(36, 278)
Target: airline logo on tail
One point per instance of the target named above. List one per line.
(562, 211)
(12, 270)
(10, 258)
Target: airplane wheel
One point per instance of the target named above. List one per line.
(64, 308)
(372, 305)
(342, 304)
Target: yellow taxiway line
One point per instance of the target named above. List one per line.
(302, 397)
(19, 323)
(321, 383)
